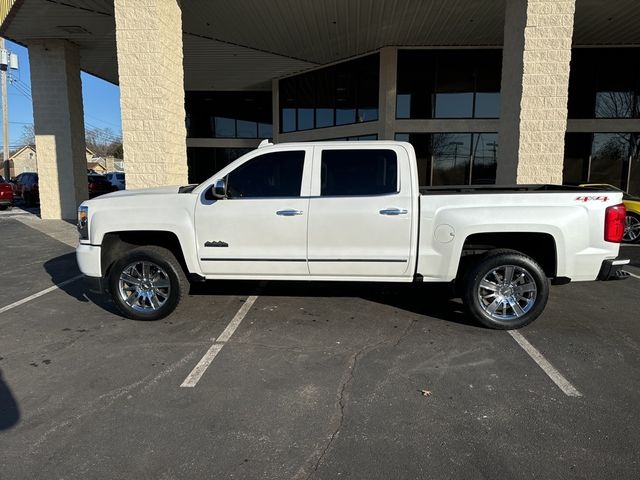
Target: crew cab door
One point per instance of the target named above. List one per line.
(361, 212)
(261, 228)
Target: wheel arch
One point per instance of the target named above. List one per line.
(116, 244)
(540, 246)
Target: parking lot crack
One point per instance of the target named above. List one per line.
(347, 380)
(405, 332)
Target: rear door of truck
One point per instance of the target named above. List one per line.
(361, 211)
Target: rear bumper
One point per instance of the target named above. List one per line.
(612, 269)
(6, 201)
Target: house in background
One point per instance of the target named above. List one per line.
(25, 159)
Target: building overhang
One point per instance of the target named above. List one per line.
(243, 45)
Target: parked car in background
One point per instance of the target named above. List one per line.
(25, 187)
(632, 219)
(116, 179)
(99, 185)
(6, 194)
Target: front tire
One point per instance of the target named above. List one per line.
(147, 283)
(505, 290)
(631, 228)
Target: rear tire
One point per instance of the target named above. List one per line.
(147, 283)
(632, 228)
(505, 290)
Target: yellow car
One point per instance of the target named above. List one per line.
(632, 204)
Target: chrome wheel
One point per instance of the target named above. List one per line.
(144, 286)
(631, 229)
(507, 292)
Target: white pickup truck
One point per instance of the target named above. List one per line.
(348, 211)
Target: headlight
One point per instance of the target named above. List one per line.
(83, 222)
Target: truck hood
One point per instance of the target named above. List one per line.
(141, 191)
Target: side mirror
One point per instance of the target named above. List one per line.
(220, 189)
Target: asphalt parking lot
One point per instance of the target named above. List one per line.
(316, 381)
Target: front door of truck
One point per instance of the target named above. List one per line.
(360, 221)
(261, 228)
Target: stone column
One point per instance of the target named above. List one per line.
(387, 95)
(59, 127)
(535, 83)
(151, 77)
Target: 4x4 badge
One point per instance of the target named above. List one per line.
(216, 244)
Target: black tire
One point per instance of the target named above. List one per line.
(30, 199)
(5, 207)
(632, 217)
(496, 260)
(160, 257)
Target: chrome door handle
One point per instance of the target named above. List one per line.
(394, 211)
(289, 213)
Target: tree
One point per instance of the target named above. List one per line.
(101, 141)
(28, 136)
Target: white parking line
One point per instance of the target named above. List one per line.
(632, 274)
(544, 364)
(197, 372)
(39, 294)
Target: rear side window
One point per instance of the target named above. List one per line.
(120, 176)
(277, 174)
(358, 172)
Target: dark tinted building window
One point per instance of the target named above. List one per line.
(602, 84)
(337, 95)
(359, 172)
(577, 150)
(448, 83)
(277, 174)
(454, 158)
(204, 162)
(610, 158)
(228, 114)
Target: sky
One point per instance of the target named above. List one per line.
(101, 99)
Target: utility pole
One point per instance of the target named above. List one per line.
(5, 117)
(7, 60)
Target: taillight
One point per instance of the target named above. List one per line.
(614, 219)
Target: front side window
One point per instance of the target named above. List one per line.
(277, 174)
(359, 172)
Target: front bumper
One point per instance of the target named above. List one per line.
(88, 257)
(612, 269)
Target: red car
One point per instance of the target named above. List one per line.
(26, 187)
(6, 194)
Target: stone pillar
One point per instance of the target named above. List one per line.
(387, 95)
(535, 83)
(59, 127)
(151, 77)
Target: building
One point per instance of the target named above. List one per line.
(527, 91)
(25, 159)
